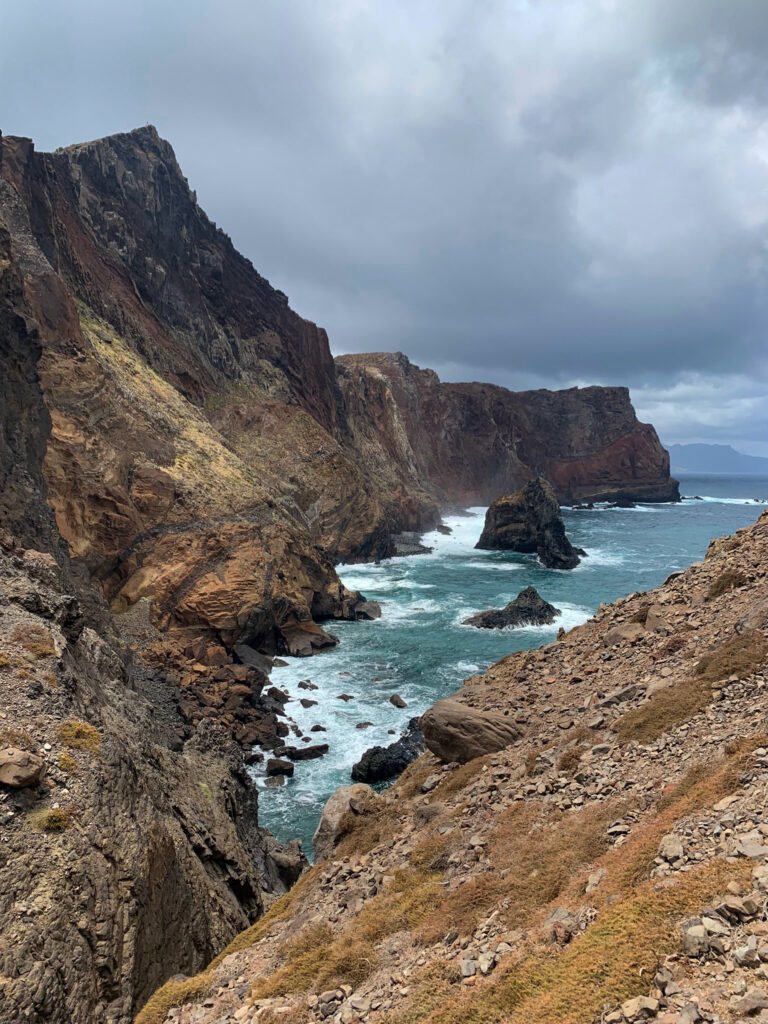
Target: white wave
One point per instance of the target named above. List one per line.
(494, 566)
(705, 498)
(601, 557)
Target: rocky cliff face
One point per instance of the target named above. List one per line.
(474, 442)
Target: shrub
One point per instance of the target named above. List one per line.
(51, 819)
(68, 764)
(80, 736)
(740, 655)
(663, 711)
(36, 640)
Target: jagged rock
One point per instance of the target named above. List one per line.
(529, 521)
(381, 763)
(456, 732)
(527, 609)
(19, 768)
(354, 799)
(368, 610)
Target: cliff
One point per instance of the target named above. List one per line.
(603, 859)
(181, 464)
(471, 443)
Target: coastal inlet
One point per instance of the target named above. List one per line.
(420, 650)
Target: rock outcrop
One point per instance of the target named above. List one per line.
(529, 521)
(528, 609)
(354, 800)
(380, 764)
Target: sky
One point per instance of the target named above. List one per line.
(538, 193)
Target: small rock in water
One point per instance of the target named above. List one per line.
(397, 701)
(345, 697)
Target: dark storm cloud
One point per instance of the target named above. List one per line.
(529, 192)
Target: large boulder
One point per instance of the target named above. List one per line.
(529, 522)
(19, 768)
(354, 799)
(528, 609)
(456, 732)
(381, 763)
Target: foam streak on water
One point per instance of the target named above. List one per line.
(420, 649)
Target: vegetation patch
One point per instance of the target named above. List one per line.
(80, 736)
(36, 640)
(312, 961)
(740, 655)
(725, 582)
(663, 711)
(13, 737)
(68, 764)
(52, 819)
(534, 860)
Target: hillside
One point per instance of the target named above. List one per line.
(610, 864)
(182, 463)
(715, 458)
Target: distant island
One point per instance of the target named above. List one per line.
(715, 458)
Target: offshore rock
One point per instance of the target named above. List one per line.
(528, 609)
(529, 521)
(378, 764)
(457, 732)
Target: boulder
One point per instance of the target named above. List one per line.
(306, 753)
(278, 766)
(456, 732)
(397, 701)
(381, 763)
(19, 768)
(368, 610)
(355, 799)
(302, 639)
(529, 521)
(528, 609)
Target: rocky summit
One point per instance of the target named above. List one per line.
(182, 464)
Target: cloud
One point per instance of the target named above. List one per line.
(513, 190)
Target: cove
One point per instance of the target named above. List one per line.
(420, 650)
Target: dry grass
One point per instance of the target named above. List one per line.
(52, 819)
(174, 993)
(540, 850)
(431, 854)
(80, 736)
(13, 737)
(36, 640)
(313, 961)
(725, 582)
(570, 759)
(739, 655)
(68, 764)
(663, 711)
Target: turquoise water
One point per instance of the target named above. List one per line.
(420, 650)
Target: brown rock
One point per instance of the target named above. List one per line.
(19, 768)
(348, 798)
(455, 732)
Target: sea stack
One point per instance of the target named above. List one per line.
(529, 521)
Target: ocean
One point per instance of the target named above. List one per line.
(420, 650)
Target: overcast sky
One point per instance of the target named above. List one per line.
(532, 192)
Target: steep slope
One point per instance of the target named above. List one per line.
(611, 864)
(128, 855)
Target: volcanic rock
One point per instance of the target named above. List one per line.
(397, 701)
(279, 766)
(529, 521)
(527, 609)
(456, 732)
(378, 764)
(306, 753)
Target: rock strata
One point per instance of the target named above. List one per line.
(529, 522)
(528, 609)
